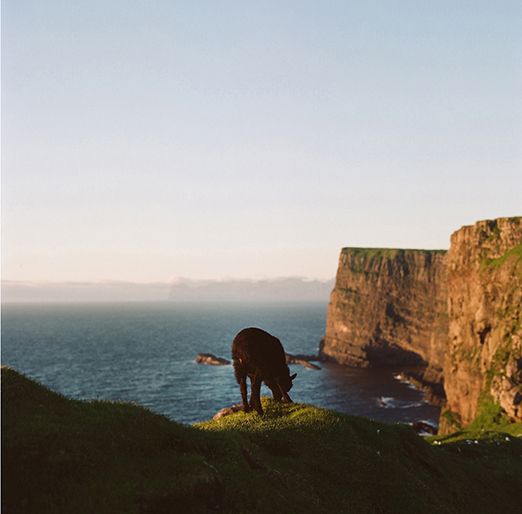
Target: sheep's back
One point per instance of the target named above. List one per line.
(257, 350)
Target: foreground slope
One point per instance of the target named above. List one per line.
(62, 455)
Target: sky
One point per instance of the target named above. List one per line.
(143, 141)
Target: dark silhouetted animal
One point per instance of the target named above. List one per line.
(260, 356)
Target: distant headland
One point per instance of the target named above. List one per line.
(276, 289)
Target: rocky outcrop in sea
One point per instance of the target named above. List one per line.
(209, 358)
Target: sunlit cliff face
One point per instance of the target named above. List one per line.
(485, 308)
(387, 308)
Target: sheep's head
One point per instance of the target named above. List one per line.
(286, 381)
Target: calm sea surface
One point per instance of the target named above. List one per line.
(145, 352)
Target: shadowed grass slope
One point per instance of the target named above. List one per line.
(62, 455)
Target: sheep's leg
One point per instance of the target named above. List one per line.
(255, 395)
(244, 396)
(286, 398)
(274, 388)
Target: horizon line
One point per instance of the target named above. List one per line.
(169, 282)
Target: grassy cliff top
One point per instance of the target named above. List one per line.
(61, 456)
(385, 253)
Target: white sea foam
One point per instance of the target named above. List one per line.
(394, 403)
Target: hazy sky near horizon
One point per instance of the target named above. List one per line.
(148, 140)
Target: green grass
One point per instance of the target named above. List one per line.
(63, 456)
(490, 415)
(385, 253)
(514, 254)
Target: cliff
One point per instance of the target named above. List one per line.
(483, 355)
(388, 308)
(459, 313)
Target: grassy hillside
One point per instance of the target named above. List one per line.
(64, 456)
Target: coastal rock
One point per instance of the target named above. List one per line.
(431, 385)
(228, 411)
(422, 428)
(209, 358)
(304, 360)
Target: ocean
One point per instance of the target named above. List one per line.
(145, 353)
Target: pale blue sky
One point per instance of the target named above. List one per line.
(147, 140)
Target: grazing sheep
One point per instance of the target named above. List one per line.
(261, 357)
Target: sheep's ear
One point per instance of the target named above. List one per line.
(293, 376)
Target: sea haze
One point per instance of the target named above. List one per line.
(180, 289)
(145, 352)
